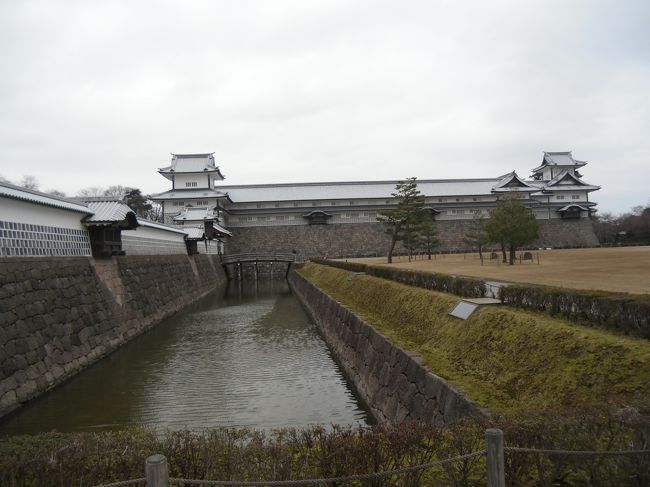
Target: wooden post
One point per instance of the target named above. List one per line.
(495, 459)
(156, 471)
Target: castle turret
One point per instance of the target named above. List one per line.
(193, 177)
(554, 163)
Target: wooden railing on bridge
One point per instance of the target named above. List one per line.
(257, 257)
(237, 260)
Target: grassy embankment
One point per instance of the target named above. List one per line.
(505, 359)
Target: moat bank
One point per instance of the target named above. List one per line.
(501, 358)
(251, 358)
(391, 380)
(59, 315)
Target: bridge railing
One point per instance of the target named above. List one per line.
(258, 257)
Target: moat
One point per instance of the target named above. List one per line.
(251, 358)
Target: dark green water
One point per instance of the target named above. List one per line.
(251, 358)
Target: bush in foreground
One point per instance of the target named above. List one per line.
(84, 459)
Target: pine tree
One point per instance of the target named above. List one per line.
(512, 225)
(402, 222)
(137, 202)
(476, 235)
(427, 235)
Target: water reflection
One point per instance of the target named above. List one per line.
(250, 359)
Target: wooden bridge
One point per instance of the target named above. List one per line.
(237, 260)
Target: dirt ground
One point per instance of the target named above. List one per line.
(623, 269)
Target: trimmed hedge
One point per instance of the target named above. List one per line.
(460, 286)
(624, 313)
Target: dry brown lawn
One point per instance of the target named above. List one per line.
(625, 269)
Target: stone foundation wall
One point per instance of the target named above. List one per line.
(392, 382)
(567, 233)
(59, 315)
(369, 239)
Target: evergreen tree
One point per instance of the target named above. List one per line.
(402, 222)
(137, 202)
(427, 235)
(512, 225)
(476, 235)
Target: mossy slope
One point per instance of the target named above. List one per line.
(503, 358)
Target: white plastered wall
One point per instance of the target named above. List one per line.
(25, 212)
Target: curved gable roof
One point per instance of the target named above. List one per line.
(511, 183)
(566, 179)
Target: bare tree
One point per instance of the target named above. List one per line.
(56, 192)
(117, 190)
(91, 191)
(29, 182)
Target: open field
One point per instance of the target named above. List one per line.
(623, 269)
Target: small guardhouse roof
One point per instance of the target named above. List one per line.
(111, 213)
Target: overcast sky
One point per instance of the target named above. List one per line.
(96, 93)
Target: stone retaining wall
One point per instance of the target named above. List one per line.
(369, 239)
(58, 315)
(392, 382)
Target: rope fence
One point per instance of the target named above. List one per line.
(347, 478)
(157, 475)
(597, 453)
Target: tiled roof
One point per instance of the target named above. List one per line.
(221, 230)
(192, 163)
(195, 214)
(506, 184)
(559, 158)
(16, 192)
(353, 190)
(564, 158)
(554, 184)
(160, 226)
(572, 206)
(194, 233)
(198, 233)
(179, 194)
(108, 212)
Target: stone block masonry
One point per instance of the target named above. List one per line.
(368, 239)
(59, 315)
(391, 381)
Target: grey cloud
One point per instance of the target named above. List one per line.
(99, 93)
